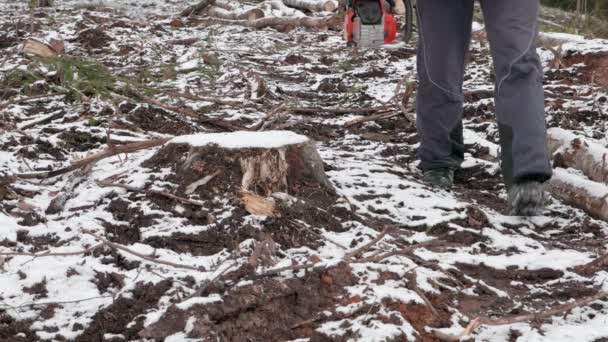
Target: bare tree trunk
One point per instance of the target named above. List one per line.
(312, 5)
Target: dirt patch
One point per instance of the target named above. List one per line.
(122, 234)
(208, 242)
(115, 318)
(123, 211)
(595, 69)
(94, 38)
(268, 310)
(12, 330)
(38, 290)
(157, 120)
(80, 141)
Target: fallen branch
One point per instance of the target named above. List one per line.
(190, 113)
(142, 256)
(382, 116)
(368, 245)
(58, 203)
(49, 254)
(155, 192)
(357, 110)
(28, 98)
(558, 310)
(108, 152)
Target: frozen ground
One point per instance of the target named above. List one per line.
(474, 260)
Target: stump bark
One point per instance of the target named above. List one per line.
(243, 165)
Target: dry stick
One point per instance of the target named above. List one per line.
(425, 299)
(108, 152)
(104, 183)
(48, 253)
(174, 93)
(381, 116)
(28, 98)
(357, 110)
(369, 244)
(346, 258)
(558, 310)
(54, 303)
(189, 112)
(142, 256)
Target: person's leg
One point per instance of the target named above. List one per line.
(512, 28)
(444, 28)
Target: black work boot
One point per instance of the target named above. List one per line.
(527, 198)
(441, 178)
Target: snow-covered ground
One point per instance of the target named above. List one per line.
(473, 259)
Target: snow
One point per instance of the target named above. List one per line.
(379, 183)
(243, 139)
(188, 303)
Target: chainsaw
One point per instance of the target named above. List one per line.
(372, 23)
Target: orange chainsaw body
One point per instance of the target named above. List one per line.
(369, 23)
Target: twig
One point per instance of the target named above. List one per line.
(53, 303)
(48, 253)
(381, 116)
(104, 183)
(28, 98)
(368, 245)
(558, 310)
(413, 281)
(190, 113)
(357, 110)
(142, 256)
(108, 152)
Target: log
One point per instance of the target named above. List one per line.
(196, 8)
(580, 192)
(312, 5)
(247, 165)
(223, 13)
(279, 23)
(42, 49)
(570, 150)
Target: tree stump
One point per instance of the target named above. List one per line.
(247, 165)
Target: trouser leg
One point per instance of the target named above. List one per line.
(444, 35)
(512, 28)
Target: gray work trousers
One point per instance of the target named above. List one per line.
(444, 36)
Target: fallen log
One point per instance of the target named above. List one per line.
(223, 13)
(570, 150)
(579, 192)
(278, 23)
(312, 5)
(196, 8)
